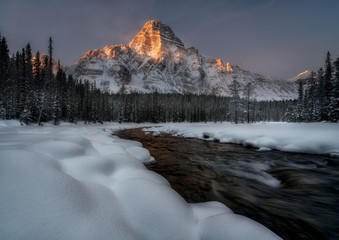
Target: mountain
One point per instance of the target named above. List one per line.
(157, 60)
(303, 76)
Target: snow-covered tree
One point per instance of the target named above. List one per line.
(248, 91)
(235, 100)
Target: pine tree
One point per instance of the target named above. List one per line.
(248, 91)
(28, 62)
(321, 95)
(50, 58)
(25, 76)
(235, 100)
(4, 77)
(31, 94)
(328, 84)
(300, 104)
(37, 71)
(311, 101)
(334, 101)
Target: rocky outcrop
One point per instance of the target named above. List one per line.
(155, 39)
(156, 60)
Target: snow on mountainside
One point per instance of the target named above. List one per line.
(301, 76)
(157, 60)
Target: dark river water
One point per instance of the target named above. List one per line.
(294, 195)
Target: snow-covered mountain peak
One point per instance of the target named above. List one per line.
(303, 73)
(155, 39)
(157, 61)
(301, 76)
(220, 65)
(229, 67)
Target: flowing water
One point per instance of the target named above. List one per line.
(294, 195)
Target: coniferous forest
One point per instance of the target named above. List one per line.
(318, 97)
(36, 89)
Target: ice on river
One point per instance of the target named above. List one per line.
(79, 182)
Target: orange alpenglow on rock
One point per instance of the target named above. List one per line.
(155, 39)
(228, 67)
(303, 73)
(220, 64)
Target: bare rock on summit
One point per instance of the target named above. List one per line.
(157, 60)
(155, 39)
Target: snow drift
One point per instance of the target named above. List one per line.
(77, 182)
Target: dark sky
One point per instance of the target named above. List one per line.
(280, 38)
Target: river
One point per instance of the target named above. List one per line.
(294, 195)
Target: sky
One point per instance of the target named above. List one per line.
(280, 38)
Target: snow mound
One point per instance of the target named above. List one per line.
(264, 149)
(77, 182)
(140, 153)
(9, 123)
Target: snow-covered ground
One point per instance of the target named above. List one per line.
(79, 182)
(316, 138)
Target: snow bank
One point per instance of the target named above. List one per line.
(316, 138)
(7, 123)
(78, 182)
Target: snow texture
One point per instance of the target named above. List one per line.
(79, 182)
(315, 138)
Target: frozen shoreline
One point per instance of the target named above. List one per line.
(79, 182)
(314, 138)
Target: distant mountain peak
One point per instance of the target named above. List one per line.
(157, 61)
(301, 76)
(155, 39)
(222, 66)
(303, 73)
(153, 24)
(228, 67)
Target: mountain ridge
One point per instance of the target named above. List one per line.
(157, 60)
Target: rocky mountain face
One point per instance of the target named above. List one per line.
(157, 60)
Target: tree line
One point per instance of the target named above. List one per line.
(136, 107)
(318, 96)
(36, 89)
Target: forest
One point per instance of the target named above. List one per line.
(36, 89)
(318, 96)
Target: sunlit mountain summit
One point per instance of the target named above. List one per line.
(156, 60)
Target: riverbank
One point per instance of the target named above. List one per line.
(80, 182)
(293, 194)
(314, 138)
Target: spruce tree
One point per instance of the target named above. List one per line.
(248, 91)
(334, 102)
(235, 100)
(311, 101)
(37, 71)
(300, 105)
(322, 95)
(50, 58)
(328, 84)
(4, 77)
